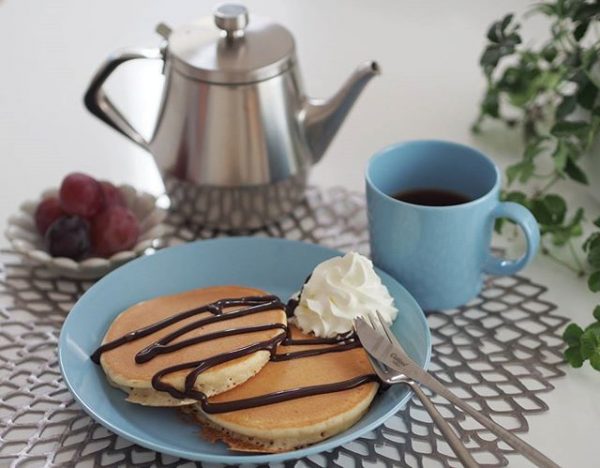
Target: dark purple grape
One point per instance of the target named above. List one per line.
(48, 211)
(68, 236)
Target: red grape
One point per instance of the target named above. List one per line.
(48, 211)
(81, 195)
(112, 195)
(113, 230)
(68, 237)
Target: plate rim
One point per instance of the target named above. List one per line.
(323, 446)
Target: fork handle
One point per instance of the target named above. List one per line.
(534, 455)
(450, 436)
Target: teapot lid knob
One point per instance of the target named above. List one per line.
(232, 18)
(230, 47)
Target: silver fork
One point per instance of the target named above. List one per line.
(393, 377)
(384, 347)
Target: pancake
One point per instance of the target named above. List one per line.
(135, 378)
(297, 422)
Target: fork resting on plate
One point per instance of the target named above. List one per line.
(394, 366)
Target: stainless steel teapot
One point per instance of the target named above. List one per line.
(235, 135)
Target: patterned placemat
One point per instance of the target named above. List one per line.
(500, 352)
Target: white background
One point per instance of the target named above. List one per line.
(430, 88)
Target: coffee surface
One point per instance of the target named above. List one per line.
(431, 197)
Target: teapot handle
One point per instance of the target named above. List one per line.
(99, 104)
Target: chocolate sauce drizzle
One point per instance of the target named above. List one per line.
(249, 305)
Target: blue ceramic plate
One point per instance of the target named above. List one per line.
(278, 266)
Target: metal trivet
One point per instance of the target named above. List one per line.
(499, 352)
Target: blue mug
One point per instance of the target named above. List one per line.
(440, 253)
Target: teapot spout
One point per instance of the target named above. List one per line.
(322, 118)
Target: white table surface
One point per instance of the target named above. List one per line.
(429, 88)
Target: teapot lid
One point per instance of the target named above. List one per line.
(236, 48)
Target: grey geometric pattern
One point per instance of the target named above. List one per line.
(235, 207)
(499, 352)
(333, 218)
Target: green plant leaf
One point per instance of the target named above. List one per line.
(511, 80)
(491, 104)
(534, 148)
(506, 21)
(548, 9)
(567, 106)
(549, 210)
(590, 342)
(556, 204)
(597, 313)
(563, 233)
(549, 53)
(576, 230)
(580, 30)
(593, 239)
(597, 222)
(548, 80)
(516, 197)
(560, 156)
(577, 74)
(587, 94)
(575, 172)
(595, 359)
(512, 172)
(498, 225)
(526, 171)
(493, 33)
(573, 356)
(493, 53)
(491, 56)
(582, 10)
(566, 128)
(527, 89)
(523, 80)
(497, 31)
(576, 219)
(560, 237)
(594, 281)
(589, 58)
(541, 213)
(593, 256)
(572, 334)
(573, 62)
(522, 170)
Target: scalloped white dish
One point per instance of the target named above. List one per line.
(25, 239)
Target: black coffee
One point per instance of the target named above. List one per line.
(431, 197)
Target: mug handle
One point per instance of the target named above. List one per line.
(523, 217)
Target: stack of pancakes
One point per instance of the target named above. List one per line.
(273, 427)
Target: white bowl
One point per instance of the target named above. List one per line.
(25, 238)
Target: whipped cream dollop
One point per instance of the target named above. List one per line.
(339, 290)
